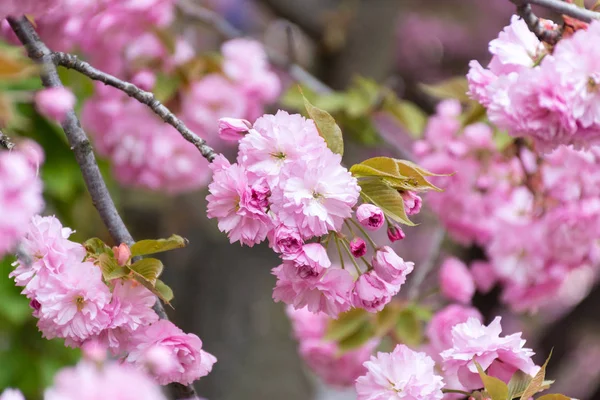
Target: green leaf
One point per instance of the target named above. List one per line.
(357, 338)
(332, 103)
(376, 167)
(554, 396)
(408, 328)
(453, 88)
(109, 267)
(148, 268)
(537, 382)
(408, 115)
(165, 87)
(144, 247)
(390, 201)
(347, 324)
(328, 129)
(517, 384)
(163, 291)
(95, 246)
(474, 113)
(502, 139)
(418, 174)
(494, 386)
(386, 319)
(579, 3)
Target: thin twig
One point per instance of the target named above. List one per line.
(228, 31)
(72, 62)
(5, 142)
(550, 36)
(562, 8)
(40, 53)
(423, 270)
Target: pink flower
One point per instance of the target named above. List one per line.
(472, 340)
(372, 293)
(122, 254)
(358, 247)
(401, 374)
(395, 233)
(73, 303)
(94, 350)
(307, 324)
(317, 196)
(483, 275)
(55, 103)
(86, 381)
(412, 202)
(312, 260)
(390, 266)
(286, 241)
(329, 292)
(34, 8)
(20, 197)
(239, 203)
(233, 129)
(11, 394)
(193, 362)
(370, 216)
(455, 281)
(278, 140)
(480, 80)
(439, 329)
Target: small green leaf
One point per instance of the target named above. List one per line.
(327, 127)
(537, 382)
(554, 396)
(163, 291)
(109, 267)
(95, 246)
(408, 328)
(453, 88)
(346, 324)
(144, 247)
(474, 113)
(376, 167)
(148, 268)
(386, 319)
(358, 338)
(417, 173)
(385, 197)
(408, 115)
(494, 386)
(517, 384)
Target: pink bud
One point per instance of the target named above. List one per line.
(122, 254)
(54, 103)
(390, 266)
(233, 129)
(94, 350)
(372, 293)
(286, 241)
(145, 79)
(370, 216)
(455, 281)
(358, 247)
(412, 202)
(395, 233)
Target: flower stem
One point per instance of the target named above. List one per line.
(456, 391)
(351, 256)
(337, 244)
(363, 232)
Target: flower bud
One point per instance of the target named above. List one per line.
(286, 241)
(412, 202)
(456, 282)
(395, 233)
(54, 103)
(370, 216)
(390, 266)
(122, 254)
(358, 247)
(233, 129)
(372, 293)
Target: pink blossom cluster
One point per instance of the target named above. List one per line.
(537, 218)
(549, 96)
(323, 356)
(289, 187)
(20, 193)
(72, 301)
(34, 8)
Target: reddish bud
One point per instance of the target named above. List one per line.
(358, 247)
(122, 254)
(395, 233)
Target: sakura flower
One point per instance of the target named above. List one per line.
(372, 293)
(233, 129)
(11, 394)
(358, 247)
(390, 266)
(312, 260)
(456, 282)
(370, 216)
(500, 356)
(27, 7)
(439, 328)
(412, 202)
(401, 374)
(286, 241)
(193, 362)
(54, 103)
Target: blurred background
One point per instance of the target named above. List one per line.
(223, 291)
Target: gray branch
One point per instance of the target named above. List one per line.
(5, 142)
(72, 62)
(535, 25)
(40, 53)
(563, 8)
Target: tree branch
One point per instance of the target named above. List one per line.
(228, 31)
(562, 8)
(5, 142)
(40, 53)
(72, 62)
(535, 25)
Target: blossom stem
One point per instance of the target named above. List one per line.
(358, 271)
(362, 230)
(337, 244)
(456, 391)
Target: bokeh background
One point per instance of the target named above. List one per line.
(223, 291)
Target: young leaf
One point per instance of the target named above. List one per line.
(109, 267)
(517, 384)
(494, 386)
(453, 88)
(362, 335)
(144, 247)
(377, 167)
(328, 129)
(408, 328)
(537, 382)
(386, 319)
(417, 173)
(385, 197)
(347, 324)
(148, 268)
(408, 115)
(95, 246)
(163, 291)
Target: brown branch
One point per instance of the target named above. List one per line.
(40, 53)
(72, 62)
(5, 142)
(536, 26)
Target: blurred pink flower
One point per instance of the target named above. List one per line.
(54, 103)
(456, 281)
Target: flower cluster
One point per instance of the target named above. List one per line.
(289, 187)
(549, 96)
(72, 301)
(549, 205)
(17, 8)
(20, 193)
(323, 356)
